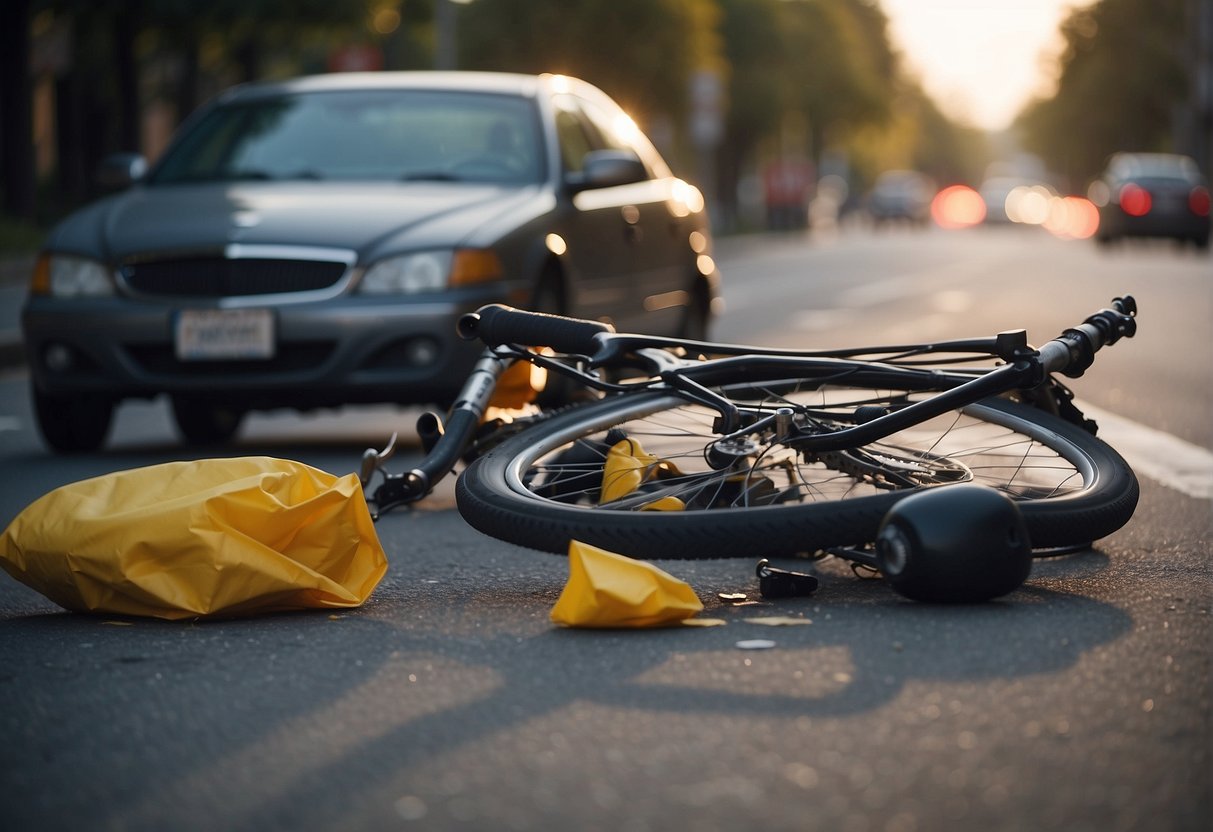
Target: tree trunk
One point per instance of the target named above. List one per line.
(17, 173)
(126, 69)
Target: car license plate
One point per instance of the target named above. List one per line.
(224, 334)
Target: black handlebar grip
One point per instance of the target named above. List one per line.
(496, 324)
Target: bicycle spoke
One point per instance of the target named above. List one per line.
(952, 448)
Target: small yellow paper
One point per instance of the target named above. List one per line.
(192, 539)
(778, 621)
(704, 622)
(609, 590)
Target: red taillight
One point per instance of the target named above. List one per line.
(1198, 201)
(1135, 200)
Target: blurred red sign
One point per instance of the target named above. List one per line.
(788, 182)
(356, 57)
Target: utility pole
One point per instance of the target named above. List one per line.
(446, 52)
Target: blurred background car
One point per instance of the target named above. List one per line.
(1151, 195)
(994, 192)
(901, 196)
(311, 243)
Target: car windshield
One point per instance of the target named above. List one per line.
(362, 135)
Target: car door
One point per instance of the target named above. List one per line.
(595, 235)
(659, 257)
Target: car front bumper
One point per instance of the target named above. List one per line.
(326, 353)
(1182, 225)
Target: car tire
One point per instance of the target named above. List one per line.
(72, 424)
(205, 423)
(549, 297)
(697, 318)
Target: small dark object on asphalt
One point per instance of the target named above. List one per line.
(781, 583)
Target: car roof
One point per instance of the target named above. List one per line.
(508, 83)
(1152, 164)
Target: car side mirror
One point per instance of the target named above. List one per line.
(121, 170)
(607, 168)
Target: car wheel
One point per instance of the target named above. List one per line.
(549, 297)
(72, 424)
(549, 294)
(697, 316)
(205, 423)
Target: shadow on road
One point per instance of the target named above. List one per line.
(438, 666)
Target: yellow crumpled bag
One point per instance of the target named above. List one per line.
(212, 537)
(628, 466)
(609, 590)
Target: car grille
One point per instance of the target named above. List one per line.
(221, 277)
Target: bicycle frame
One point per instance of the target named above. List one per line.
(898, 367)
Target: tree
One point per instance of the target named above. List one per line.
(757, 89)
(16, 111)
(839, 55)
(805, 77)
(125, 54)
(598, 42)
(1120, 78)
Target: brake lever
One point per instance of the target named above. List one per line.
(372, 460)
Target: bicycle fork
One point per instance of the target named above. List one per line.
(444, 442)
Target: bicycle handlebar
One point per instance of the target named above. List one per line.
(496, 324)
(1072, 352)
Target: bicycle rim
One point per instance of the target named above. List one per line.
(762, 497)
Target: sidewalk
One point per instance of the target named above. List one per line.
(14, 277)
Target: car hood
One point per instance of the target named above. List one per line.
(370, 219)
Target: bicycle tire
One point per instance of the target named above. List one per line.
(492, 495)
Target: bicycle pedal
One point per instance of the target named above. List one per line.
(783, 583)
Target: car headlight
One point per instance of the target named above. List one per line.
(408, 274)
(67, 276)
(428, 271)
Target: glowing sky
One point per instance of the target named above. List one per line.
(981, 60)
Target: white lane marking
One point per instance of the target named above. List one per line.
(1160, 456)
(9, 423)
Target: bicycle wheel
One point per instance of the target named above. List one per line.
(758, 496)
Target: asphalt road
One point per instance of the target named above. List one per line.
(449, 701)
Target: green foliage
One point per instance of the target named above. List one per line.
(841, 65)
(918, 136)
(1120, 76)
(641, 52)
(19, 237)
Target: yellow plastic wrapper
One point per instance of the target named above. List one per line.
(609, 590)
(628, 466)
(518, 386)
(213, 537)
